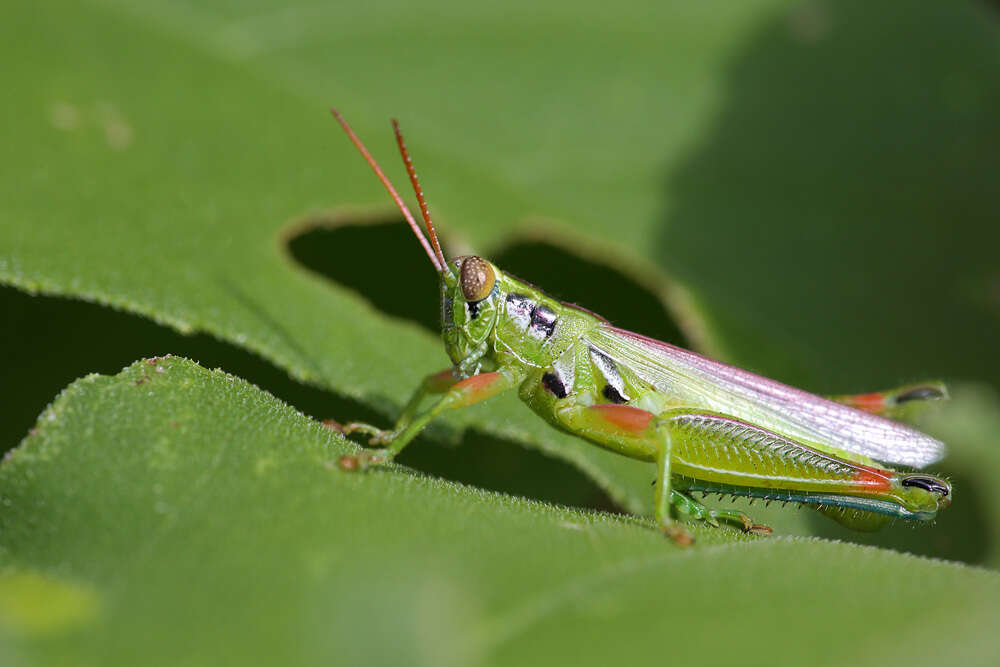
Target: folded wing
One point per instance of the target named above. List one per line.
(699, 382)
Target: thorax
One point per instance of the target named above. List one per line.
(533, 329)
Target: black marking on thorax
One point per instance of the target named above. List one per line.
(539, 321)
(612, 394)
(519, 309)
(554, 385)
(543, 322)
(564, 369)
(614, 389)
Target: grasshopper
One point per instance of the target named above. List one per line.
(707, 426)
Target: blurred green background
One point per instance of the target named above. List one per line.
(806, 189)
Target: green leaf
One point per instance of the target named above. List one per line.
(829, 229)
(191, 518)
(806, 186)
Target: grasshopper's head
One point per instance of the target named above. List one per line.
(469, 285)
(470, 298)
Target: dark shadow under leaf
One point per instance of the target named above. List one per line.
(53, 341)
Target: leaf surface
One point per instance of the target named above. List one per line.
(202, 521)
(807, 188)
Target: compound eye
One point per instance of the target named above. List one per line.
(477, 278)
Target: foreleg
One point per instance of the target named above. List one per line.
(436, 383)
(461, 394)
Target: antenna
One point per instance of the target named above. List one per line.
(420, 193)
(439, 264)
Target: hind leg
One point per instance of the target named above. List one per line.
(900, 403)
(634, 433)
(688, 506)
(643, 435)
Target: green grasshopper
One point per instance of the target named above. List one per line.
(707, 426)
